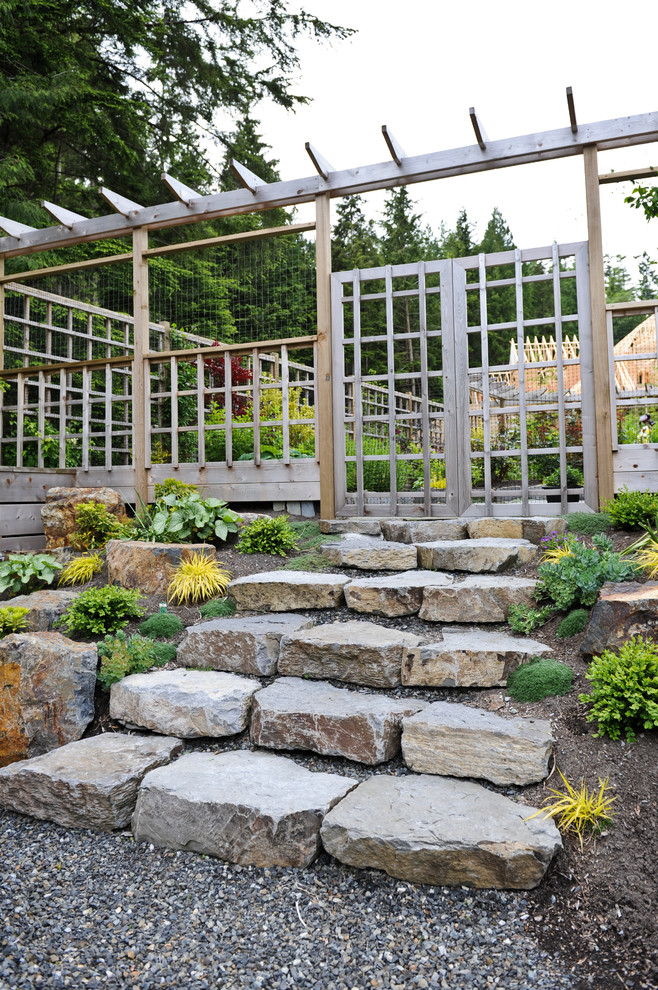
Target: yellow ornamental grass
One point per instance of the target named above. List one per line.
(197, 578)
(81, 569)
(579, 810)
(647, 558)
(557, 550)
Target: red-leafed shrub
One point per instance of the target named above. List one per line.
(240, 375)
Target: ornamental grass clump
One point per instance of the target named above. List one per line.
(99, 611)
(624, 695)
(541, 677)
(197, 578)
(580, 810)
(81, 569)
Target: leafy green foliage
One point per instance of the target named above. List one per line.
(120, 656)
(632, 510)
(574, 478)
(161, 625)
(541, 677)
(23, 572)
(99, 611)
(81, 569)
(589, 523)
(573, 623)
(578, 810)
(524, 619)
(173, 486)
(187, 518)
(95, 525)
(218, 608)
(268, 535)
(197, 578)
(576, 578)
(12, 619)
(624, 695)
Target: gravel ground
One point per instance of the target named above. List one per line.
(86, 909)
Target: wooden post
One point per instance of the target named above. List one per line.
(324, 385)
(599, 330)
(141, 344)
(2, 313)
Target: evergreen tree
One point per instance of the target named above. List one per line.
(648, 284)
(354, 242)
(458, 243)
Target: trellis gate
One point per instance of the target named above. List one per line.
(479, 435)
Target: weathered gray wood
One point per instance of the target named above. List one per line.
(588, 408)
(21, 517)
(523, 415)
(141, 347)
(324, 389)
(484, 357)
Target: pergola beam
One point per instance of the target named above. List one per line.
(14, 228)
(320, 164)
(182, 192)
(546, 145)
(248, 179)
(119, 203)
(629, 176)
(394, 147)
(64, 217)
(572, 110)
(480, 134)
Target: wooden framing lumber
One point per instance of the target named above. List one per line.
(325, 438)
(65, 217)
(119, 203)
(320, 163)
(14, 228)
(480, 135)
(182, 192)
(572, 111)
(244, 235)
(630, 175)
(140, 415)
(395, 148)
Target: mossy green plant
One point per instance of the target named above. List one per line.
(218, 608)
(164, 653)
(573, 623)
(161, 625)
(541, 677)
(589, 523)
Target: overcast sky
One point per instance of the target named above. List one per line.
(418, 66)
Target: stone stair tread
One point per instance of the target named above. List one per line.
(455, 740)
(489, 554)
(241, 644)
(467, 656)
(248, 808)
(370, 553)
(185, 703)
(365, 526)
(393, 594)
(480, 598)
(516, 527)
(293, 713)
(440, 831)
(91, 783)
(287, 591)
(423, 530)
(359, 652)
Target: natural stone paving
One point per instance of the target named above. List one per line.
(148, 566)
(89, 784)
(357, 652)
(184, 703)
(440, 831)
(287, 591)
(475, 556)
(242, 644)
(423, 530)
(46, 692)
(468, 657)
(480, 598)
(455, 740)
(297, 714)
(44, 607)
(370, 553)
(394, 594)
(248, 808)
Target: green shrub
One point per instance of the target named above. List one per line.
(12, 619)
(589, 523)
(632, 510)
(184, 518)
(218, 608)
(120, 656)
(161, 626)
(95, 525)
(164, 653)
(574, 478)
(541, 677)
(24, 572)
(99, 611)
(624, 693)
(172, 486)
(576, 578)
(267, 535)
(523, 618)
(573, 623)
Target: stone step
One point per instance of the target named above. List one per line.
(91, 783)
(394, 594)
(479, 556)
(357, 652)
(468, 657)
(423, 530)
(185, 703)
(241, 644)
(370, 553)
(355, 524)
(248, 808)
(297, 714)
(481, 598)
(44, 607)
(533, 529)
(440, 831)
(287, 591)
(454, 740)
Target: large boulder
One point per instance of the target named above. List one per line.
(441, 831)
(58, 511)
(46, 693)
(44, 607)
(248, 808)
(88, 784)
(622, 610)
(148, 566)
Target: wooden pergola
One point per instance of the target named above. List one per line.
(131, 219)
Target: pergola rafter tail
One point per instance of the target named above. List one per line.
(546, 145)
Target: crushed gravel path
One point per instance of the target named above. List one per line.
(86, 909)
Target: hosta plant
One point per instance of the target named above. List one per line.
(81, 569)
(99, 611)
(13, 619)
(184, 518)
(579, 810)
(197, 578)
(23, 572)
